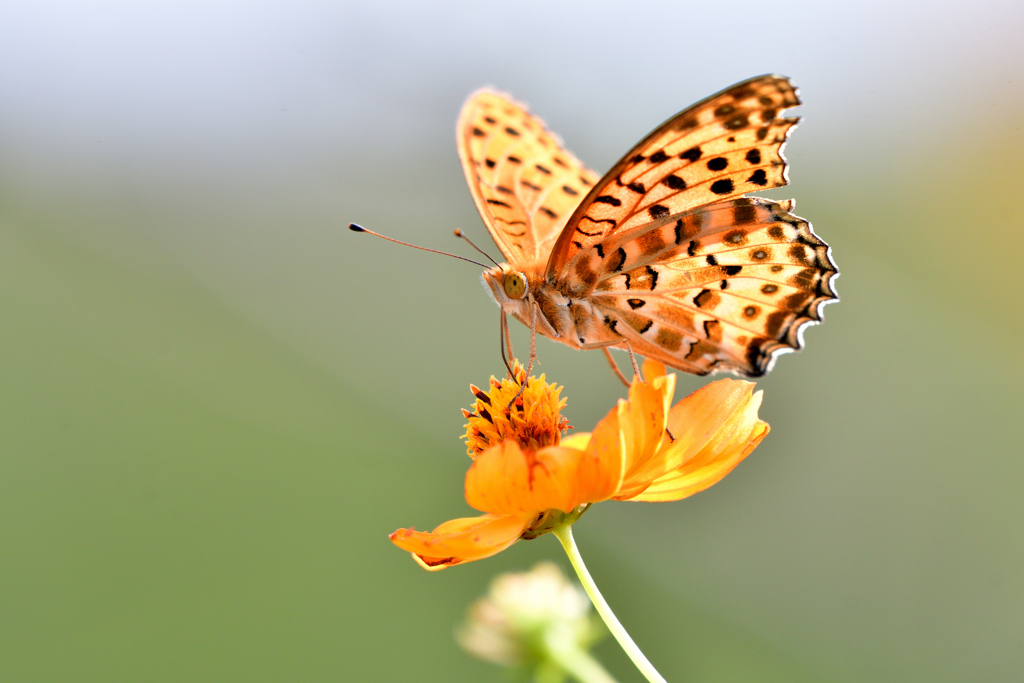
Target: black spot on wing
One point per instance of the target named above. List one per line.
(724, 186)
(737, 122)
(692, 154)
(758, 177)
(742, 93)
(674, 182)
(718, 164)
(658, 211)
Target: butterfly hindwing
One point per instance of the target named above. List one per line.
(525, 183)
(724, 287)
(725, 146)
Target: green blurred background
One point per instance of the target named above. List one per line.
(215, 401)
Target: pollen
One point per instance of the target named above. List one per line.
(533, 420)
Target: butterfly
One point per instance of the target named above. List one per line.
(663, 255)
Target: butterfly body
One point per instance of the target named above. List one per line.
(559, 316)
(664, 253)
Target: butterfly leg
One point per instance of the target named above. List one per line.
(605, 346)
(615, 366)
(632, 357)
(508, 338)
(505, 338)
(533, 355)
(533, 338)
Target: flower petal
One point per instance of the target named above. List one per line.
(602, 465)
(734, 440)
(642, 420)
(460, 540)
(577, 440)
(509, 480)
(653, 369)
(699, 418)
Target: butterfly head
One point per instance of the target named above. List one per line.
(508, 286)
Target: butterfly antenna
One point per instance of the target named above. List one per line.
(459, 233)
(358, 228)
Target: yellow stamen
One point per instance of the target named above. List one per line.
(533, 421)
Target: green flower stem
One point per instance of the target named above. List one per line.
(564, 535)
(576, 662)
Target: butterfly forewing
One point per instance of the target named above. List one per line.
(727, 145)
(525, 183)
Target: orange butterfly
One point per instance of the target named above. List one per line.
(663, 255)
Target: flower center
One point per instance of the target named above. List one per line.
(533, 420)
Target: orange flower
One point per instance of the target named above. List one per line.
(529, 480)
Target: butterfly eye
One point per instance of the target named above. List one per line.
(514, 285)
